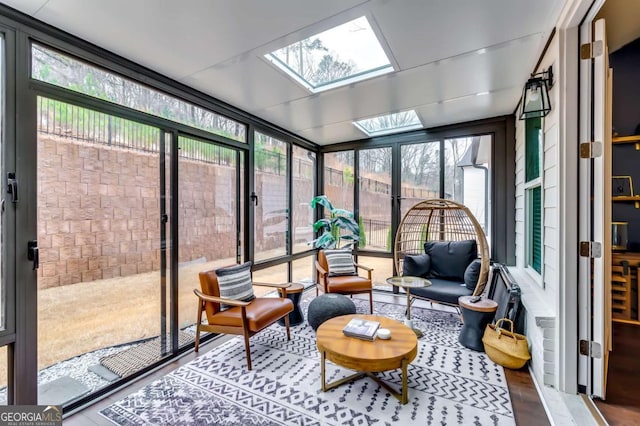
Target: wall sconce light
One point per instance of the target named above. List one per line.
(535, 95)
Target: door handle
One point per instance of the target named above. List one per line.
(254, 198)
(12, 186)
(33, 254)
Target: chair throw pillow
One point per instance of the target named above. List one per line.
(340, 262)
(234, 282)
(416, 265)
(472, 273)
(449, 259)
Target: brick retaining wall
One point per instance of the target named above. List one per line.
(99, 211)
(99, 214)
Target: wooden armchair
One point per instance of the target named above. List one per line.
(244, 318)
(342, 284)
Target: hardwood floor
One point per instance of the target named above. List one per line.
(622, 406)
(526, 403)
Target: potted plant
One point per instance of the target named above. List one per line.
(330, 228)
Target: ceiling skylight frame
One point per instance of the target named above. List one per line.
(359, 75)
(360, 125)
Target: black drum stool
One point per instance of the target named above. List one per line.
(294, 292)
(475, 317)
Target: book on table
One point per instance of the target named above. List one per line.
(361, 329)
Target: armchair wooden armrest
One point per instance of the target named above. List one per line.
(366, 268)
(214, 299)
(274, 285)
(320, 269)
(282, 287)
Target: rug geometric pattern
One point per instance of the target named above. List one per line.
(448, 384)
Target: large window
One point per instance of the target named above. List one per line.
(339, 178)
(467, 162)
(457, 169)
(55, 68)
(533, 193)
(302, 190)
(420, 174)
(272, 210)
(374, 215)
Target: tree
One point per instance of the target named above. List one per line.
(330, 69)
(312, 61)
(53, 67)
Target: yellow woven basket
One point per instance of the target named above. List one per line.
(504, 347)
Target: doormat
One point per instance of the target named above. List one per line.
(138, 357)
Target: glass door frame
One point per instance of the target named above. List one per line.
(9, 216)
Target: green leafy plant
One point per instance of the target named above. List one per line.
(331, 227)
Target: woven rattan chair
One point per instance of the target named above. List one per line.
(441, 220)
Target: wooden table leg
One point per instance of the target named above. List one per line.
(322, 360)
(405, 382)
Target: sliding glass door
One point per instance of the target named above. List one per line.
(209, 218)
(7, 229)
(102, 238)
(271, 230)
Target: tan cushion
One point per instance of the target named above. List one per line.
(261, 313)
(348, 284)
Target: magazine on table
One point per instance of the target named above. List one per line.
(361, 329)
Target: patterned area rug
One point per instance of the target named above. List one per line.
(448, 384)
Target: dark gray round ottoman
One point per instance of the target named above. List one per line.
(327, 306)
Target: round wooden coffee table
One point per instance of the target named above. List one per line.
(364, 356)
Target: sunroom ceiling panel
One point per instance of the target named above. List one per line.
(466, 75)
(333, 133)
(431, 115)
(27, 6)
(181, 38)
(464, 109)
(444, 28)
(252, 82)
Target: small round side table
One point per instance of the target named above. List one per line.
(408, 282)
(294, 293)
(475, 317)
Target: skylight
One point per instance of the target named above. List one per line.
(342, 55)
(390, 123)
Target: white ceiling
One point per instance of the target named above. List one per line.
(217, 47)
